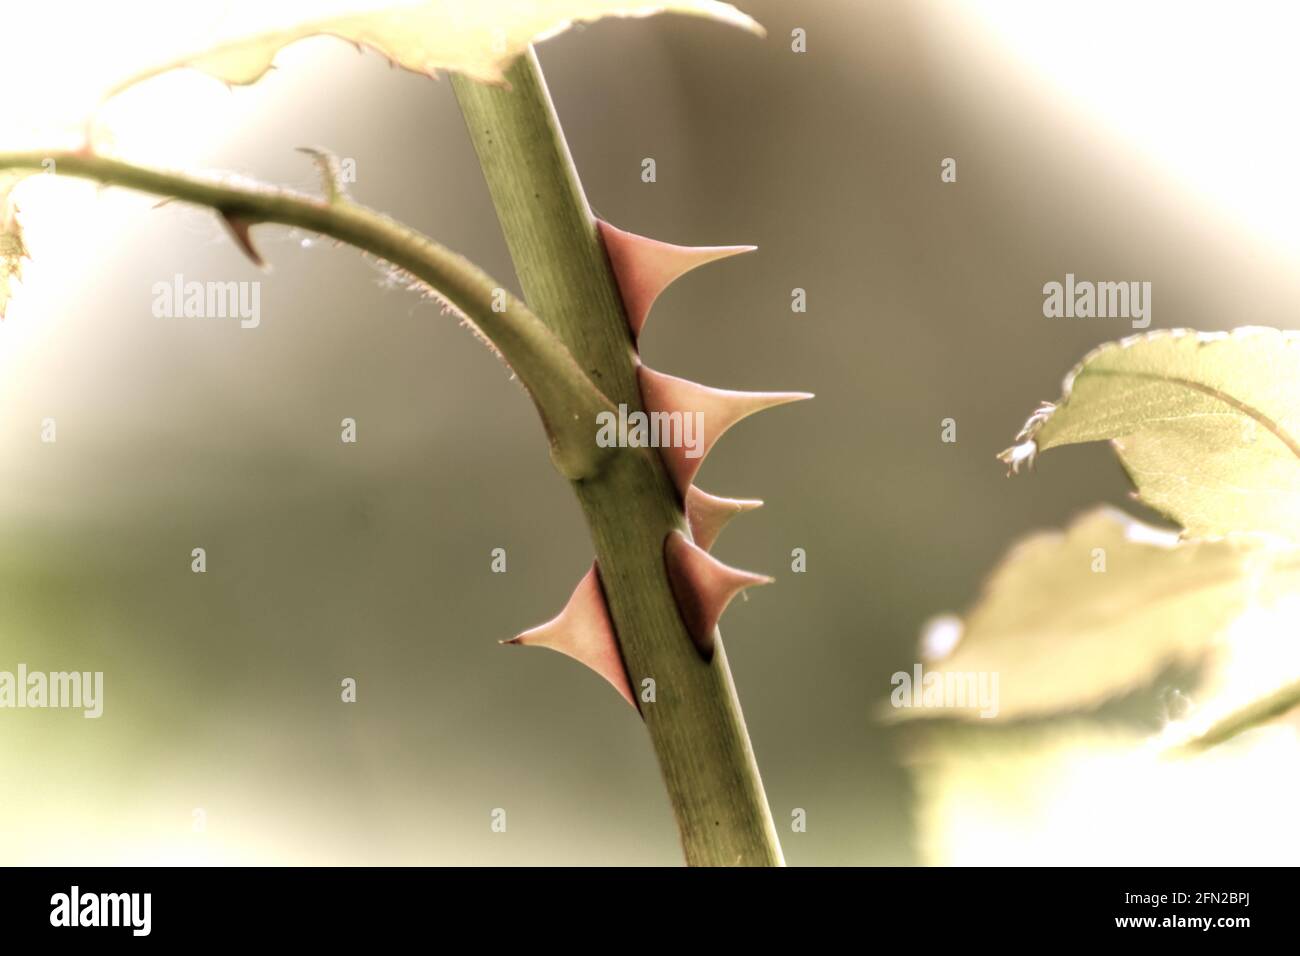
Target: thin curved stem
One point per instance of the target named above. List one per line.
(565, 396)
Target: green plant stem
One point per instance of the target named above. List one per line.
(566, 398)
(631, 506)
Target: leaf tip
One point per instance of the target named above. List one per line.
(1025, 450)
(1020, 455)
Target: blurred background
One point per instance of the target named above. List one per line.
(1117, 141)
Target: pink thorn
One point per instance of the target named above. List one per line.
(584, 632)
(645, 267)
(708, 514)
(703, 587)
(239, 231)
(719, 407)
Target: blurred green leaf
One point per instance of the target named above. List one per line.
(1068, 620)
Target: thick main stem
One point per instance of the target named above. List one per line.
(631, 506)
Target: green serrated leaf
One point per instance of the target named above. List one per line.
(1070, 620)
(478, 38)
(12, 248)
(1206, 425)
